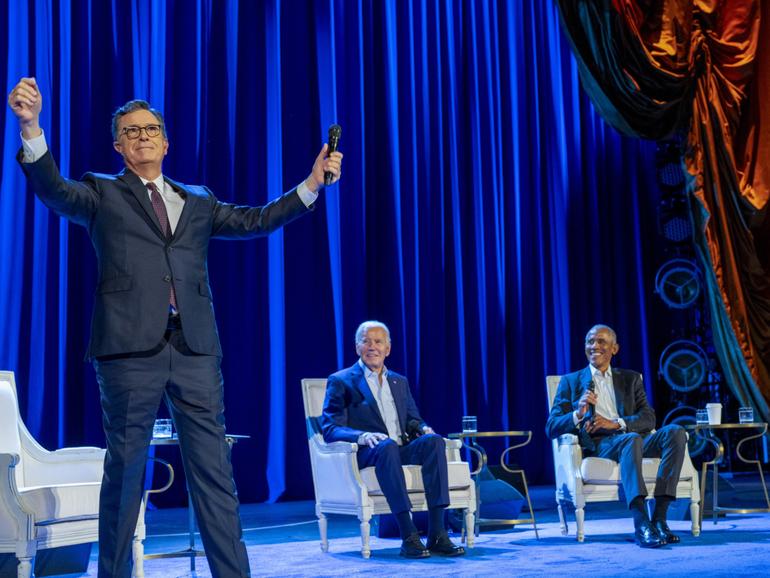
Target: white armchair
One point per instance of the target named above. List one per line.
(47, 499)
(580, 480)
(341, 488)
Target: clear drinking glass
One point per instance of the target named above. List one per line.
(162, 429)
(746, 415)
(702, 416)
(469, 424)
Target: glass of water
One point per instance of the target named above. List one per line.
(701, 416)
(746, 415)
(469, 424)
(161, 429)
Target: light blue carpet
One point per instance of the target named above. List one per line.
(736, 546)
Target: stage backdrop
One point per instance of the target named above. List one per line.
(486, 213)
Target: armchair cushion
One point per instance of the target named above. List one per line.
(459, 478)
(62, 502)
(607, 472)
(602, 471)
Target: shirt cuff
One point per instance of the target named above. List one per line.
(622, 424)
(575, 418)
(34, 148)
(307, 196)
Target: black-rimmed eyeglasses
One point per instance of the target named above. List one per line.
(133, 132)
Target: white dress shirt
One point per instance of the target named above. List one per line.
(385, 402)
(606, 404)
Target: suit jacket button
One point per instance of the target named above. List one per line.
(167, 278)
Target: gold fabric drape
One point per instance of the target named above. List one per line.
(654, 68)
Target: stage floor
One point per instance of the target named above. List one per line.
(282, 540)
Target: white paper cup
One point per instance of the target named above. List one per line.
(715, 413)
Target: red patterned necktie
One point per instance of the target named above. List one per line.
(160, 211)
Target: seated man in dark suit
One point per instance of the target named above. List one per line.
(372, 406)
(607, 409)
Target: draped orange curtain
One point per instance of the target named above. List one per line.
(698, 69)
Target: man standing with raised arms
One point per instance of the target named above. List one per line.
(153, 333)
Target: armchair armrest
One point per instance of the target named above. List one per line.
(336, 478)
(84, 452)
(567, 459)
(14, 520)
(64, 466)
(453, 448)
(337, 447)
(567, 440)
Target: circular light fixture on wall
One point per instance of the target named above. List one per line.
(683, 365)
(678, 283)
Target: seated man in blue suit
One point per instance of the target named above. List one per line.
(607, 409)
(372, 406)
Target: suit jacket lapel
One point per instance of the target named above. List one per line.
(396, 387)
(586, 377)
(141, 195)
(362, 386)
(619, 385)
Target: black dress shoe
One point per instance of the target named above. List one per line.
(665, 532)
(412, 547)
(443, 546)
(647, 537)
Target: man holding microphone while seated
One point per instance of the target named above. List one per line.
(607, 409)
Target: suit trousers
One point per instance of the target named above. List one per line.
(132, 387)
(387, 457)
(668, 443)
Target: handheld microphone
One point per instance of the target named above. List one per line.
(591, 408)
(335, 131)
(413, 430)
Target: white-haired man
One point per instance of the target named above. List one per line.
(372, 406)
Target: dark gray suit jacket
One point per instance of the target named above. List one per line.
(630, 397)
(137, 262)
(350, 408)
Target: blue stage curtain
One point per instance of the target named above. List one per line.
(486, 213)
(668, 67)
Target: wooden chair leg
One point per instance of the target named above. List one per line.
(470, 521)
(137, 553)
(24, 569)
(579, 518)
(695, 517)
(562, 519)
(322, 530)
(365, 530)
